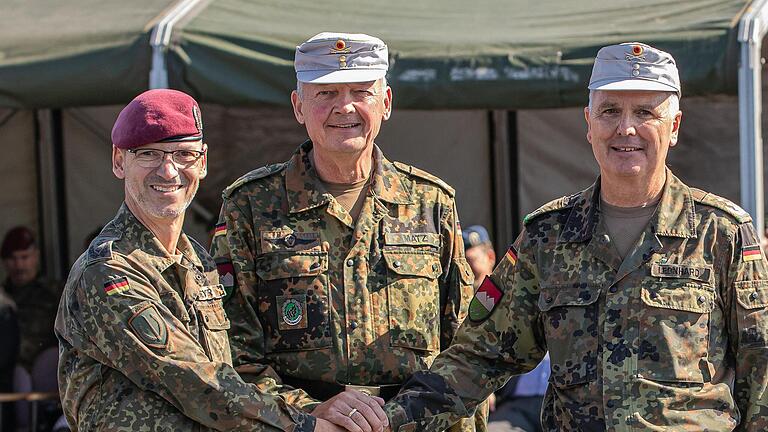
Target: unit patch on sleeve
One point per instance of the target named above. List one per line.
(150, 327)
(485, 300)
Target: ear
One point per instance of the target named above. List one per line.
(204, 162)
(388, 103)
(118, 162)
(297, 105)
(491, 255)
(675, 128)
(589, 126)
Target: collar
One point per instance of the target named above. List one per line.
(674, 216)
(305, 191)
(138, 241)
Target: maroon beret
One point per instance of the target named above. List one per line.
(160, 115)
(18, 238)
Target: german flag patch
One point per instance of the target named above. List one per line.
(220, 229)
(751, 253)
(116, 286)
(511, 255)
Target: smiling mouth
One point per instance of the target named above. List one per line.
(167, 188)
(625, 149)
(345, 125)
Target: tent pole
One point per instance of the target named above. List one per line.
(503, 126)
(752, 29)
(160, 39)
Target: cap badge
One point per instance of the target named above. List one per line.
(636, 54)
(340, 47)
(474, 238)
(198, 120)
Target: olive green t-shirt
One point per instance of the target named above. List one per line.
(625, 224)
(350, 196)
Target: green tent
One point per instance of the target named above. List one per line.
(450, 54)
(446, 54)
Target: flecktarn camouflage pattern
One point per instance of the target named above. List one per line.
(143, 343)
(316, 296)
(672, 338)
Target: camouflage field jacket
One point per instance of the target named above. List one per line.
(672, 338)
(143, 342)
(319, 297)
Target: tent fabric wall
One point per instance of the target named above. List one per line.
(453, 54)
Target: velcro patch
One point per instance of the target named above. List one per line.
(412, 239)
(211, 292)
(226, 275)
(150, 327)
(486, 298)
(116, 285)
(703, 274)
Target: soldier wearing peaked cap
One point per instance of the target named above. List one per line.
(650, 295)
(347, 270)
(141, 325)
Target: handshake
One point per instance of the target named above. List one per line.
(352, 411)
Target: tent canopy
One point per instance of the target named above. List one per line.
(445, 54)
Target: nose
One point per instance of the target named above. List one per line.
(167, 169)
(344, 103)
(626, 125)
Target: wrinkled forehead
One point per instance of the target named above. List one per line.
(630, 98)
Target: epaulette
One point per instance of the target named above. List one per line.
(554, 205)
(412, 170)
(101, 247)
(721, 203)
(253, 175)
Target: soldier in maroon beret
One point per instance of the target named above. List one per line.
(141, 324)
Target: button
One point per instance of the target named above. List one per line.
(549, 299)
(435, 267)
(702, 299)
(314, 266)
(353, 325)
(606, 239)
(753, 296)
(613, 289)
(610, 403)
(635, 73)
(397, 264)
(342, 64)
(636, 66)
(342, 58)
(350, 262)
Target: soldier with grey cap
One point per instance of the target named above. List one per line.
(650, 296)
(346, 270)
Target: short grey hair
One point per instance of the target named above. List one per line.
(300, 84)
(673, 106)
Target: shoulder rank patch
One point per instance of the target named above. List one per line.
(412, 170)
(148, 326)
(485, 300)
(116, 286)
(253, 175)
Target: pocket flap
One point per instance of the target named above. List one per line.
(752, 294)
(684, 295)
(281, 266)
(214, 316)
(414, 263)
(567, 295)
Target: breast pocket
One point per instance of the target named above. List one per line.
(413, 298)
(752, 298)
(569, 314)
(674, 329)
(214, 320)
(293, 301)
